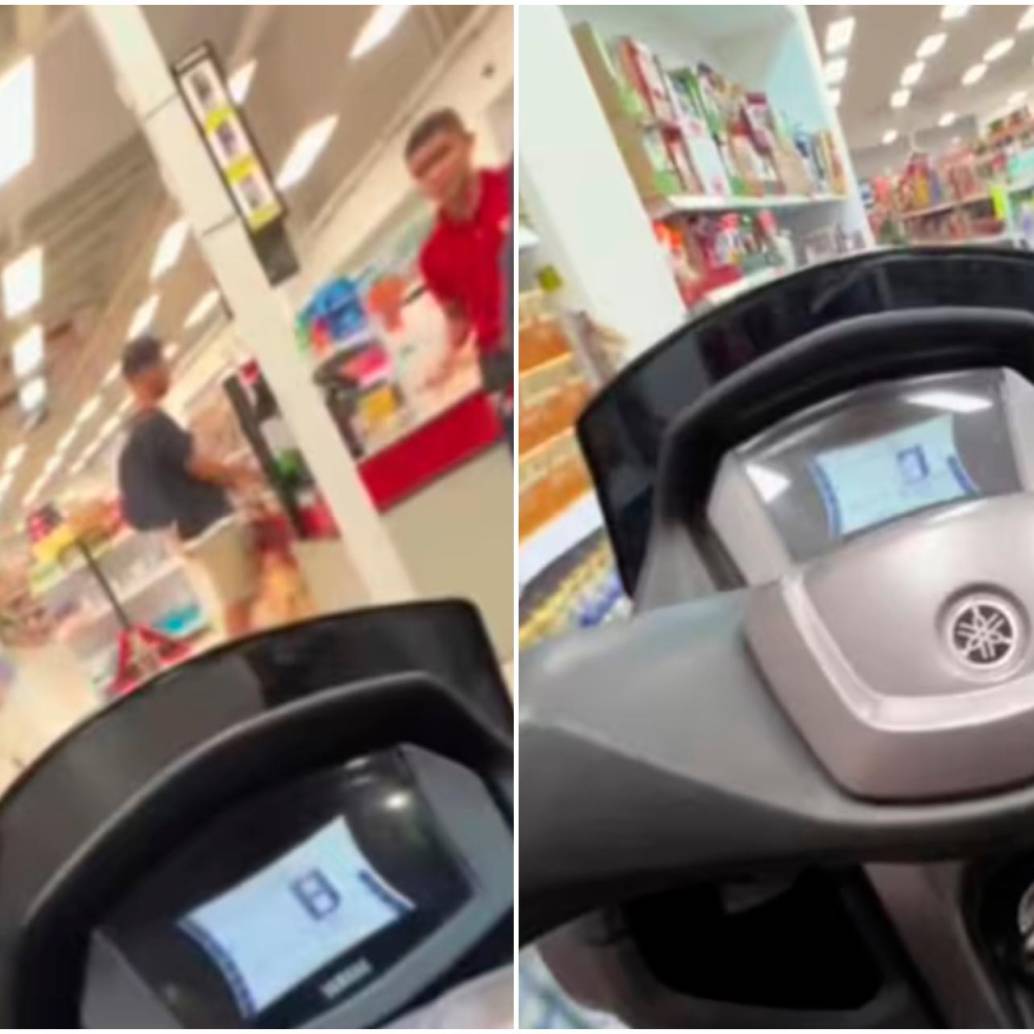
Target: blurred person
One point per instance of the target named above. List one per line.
(167, 483)
(464, 261)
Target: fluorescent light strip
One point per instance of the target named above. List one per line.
(143, 317)
(949, 12)
(931, 45)
(1027, 21)
(240, 82)
(204, 305)
(946, 119)
(379, 26)
(899, 98)
(14, 457)
(835, 71)
(17, 118)
(912, 73)
(890, 136)
(33, 394)
(27, 352)
(23, 282)
(973, 74)
(88, 410)
(305, 152)
(838, 34)
(169, 248)
(999, 49)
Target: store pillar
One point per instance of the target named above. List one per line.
(579, 196)
(261, 315)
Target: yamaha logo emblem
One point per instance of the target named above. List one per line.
(984, 631)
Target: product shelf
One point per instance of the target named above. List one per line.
(545, 444)
(555, 360)
(727, 292)
(575, 522)
(679, 203)
(947, 206)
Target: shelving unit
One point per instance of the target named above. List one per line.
(778, 202)
(563, 532)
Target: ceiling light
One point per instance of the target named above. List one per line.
(33, 394)
(973, 74)
(379, 26)
(110, 425)
(142, 318)
(27, 352)
(240, 82)
(835, 71)
(949, 12)
(307, 148)
(23, 282)
(910, 76)
(999, 49)
(14, 457)
(17, 118)
(931, 45)
(88, 410)
(50, 467)
(205, 304)
(169, 248)
(838, 34)
(1017, 98)
(1027, 21)
(834, 96)
(66, 439)
(170, 350)
(946, 119)
(890, 136)
(899, 98)
(112, 375)
(5, 483)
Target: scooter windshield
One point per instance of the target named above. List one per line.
(621, 431)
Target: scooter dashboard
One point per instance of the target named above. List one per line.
(865, 459)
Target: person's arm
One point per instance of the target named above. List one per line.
(459, 327)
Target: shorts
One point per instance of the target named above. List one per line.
(224, 557)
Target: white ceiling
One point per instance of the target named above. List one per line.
(885, 41)
(93, 196)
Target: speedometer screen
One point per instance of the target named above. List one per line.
(906, 470)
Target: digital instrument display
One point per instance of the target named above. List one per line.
(898, 473)
(275, 929)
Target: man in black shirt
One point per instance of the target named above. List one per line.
(167, 483)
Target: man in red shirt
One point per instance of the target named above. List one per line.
(465, 259)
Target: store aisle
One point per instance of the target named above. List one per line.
(456, 539)
(48, 695)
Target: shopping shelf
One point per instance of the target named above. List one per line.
(946, 206)
(727, 292)
(558, 535)
(708, 203)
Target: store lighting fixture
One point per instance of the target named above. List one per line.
(949, 12)
(973, 74)
(1027, 21)
(88, 410)
(890, 136)
(1017, 98)
(51, 466)
(5, 483)
(17, 118)
(834, 96)
(142, 318)
(378, 27)
(899, 98)
(931, 45)
(912, 73)
(27, 352)
(170, 246)
(170, 351)
(202, 308)
(33, 394)
(835, 71)
(23, 282)
(947, 119)
(240, 82)
(110, 426)
(306, 150)
(999, 49)
(113, 374)
(14, 457)
(66, 439)
(838, 35)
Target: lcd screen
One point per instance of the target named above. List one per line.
(865, 484)
(270, 932)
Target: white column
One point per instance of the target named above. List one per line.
(261, 314)
(579, 195)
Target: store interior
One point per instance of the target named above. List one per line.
(95, 251)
